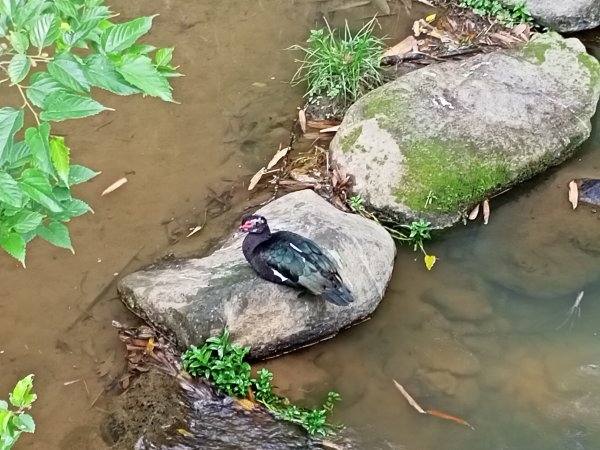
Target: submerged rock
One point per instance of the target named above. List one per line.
(439, 140)
(589, 190)
(563, 15)
(193, 299)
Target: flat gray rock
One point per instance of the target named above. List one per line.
(437, 141)
(194, 299)
(563, 15)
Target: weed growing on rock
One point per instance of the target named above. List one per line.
(223, 363)
(507, 15)
(341, 68)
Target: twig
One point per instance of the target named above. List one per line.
(26, 103)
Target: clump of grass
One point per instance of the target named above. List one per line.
(340, 67)
(223, 363)
(507, 15)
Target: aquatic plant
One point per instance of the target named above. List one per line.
(505, 14)
(52, 54)
(340, 67)
(13, 422)
(419, 231)
(222, 362)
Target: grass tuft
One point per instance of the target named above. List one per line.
(341, 68)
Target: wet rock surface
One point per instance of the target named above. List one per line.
(563, 15)
(436, 141)
(589, 190)
(193, 299)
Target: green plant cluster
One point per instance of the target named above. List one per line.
(341, 68)
(15, 422)
(54, 53)
(505, 14)
(222, 362)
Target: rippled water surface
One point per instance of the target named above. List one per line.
(482, 337)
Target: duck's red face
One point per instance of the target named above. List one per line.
(253, 224)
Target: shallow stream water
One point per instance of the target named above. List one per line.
(482, 337)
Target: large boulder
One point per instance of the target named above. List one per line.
(194, 299)
(563, 15)
(439, 140)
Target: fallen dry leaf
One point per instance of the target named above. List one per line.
(195, 230)
(330, 129)
(302, 120)
(486, 211)
(435, 412)
(417, 28)
(116, 185)
(573, 193)
(67, 383)
(277, 157)
(406, 395)
(322, 123)
(404, 46)
(474, 212)
(256, 178)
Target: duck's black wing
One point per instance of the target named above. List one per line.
(296, 260)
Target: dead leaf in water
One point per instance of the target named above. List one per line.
(486, 211)
(277, 157)
(573, 193)
(411, 401)
(435, 412)
(474, 212)
(195, 230)
(116, 185)
(256, 178)
(302, 120)
(430, 261)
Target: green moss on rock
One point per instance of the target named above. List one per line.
(448, 176)
(535, 51)
(592, 66)
(348, 141)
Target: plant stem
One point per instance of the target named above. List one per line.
(26, 103)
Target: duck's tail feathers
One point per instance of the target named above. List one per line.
(339, 295)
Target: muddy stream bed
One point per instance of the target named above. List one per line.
(483, 336)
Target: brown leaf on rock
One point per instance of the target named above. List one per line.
(573, 193)
(402, 47)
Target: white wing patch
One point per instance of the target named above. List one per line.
(299, 251)
(279, 275)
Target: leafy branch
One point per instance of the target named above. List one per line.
(55, 53)
(15, 422)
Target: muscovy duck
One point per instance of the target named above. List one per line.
(287, 258)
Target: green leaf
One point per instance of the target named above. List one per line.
(14, 245)
(68, 71)
(45, 30)
(21, 396)
(26, 221)
(19, 41)
(27, 11)
(139, 71)
(101, 72)
(97, 13)
(63, 105)
(19, 155)
(140, 49)
(11, 121)
(66, 8)
(34, 183)
(3, 405)
(18, 68)
(38, 140)
(8, 8)
(121, 36)
(76, 207)
(24, 422)
(42, 86)
(80, 174)
(164, 56)
(9, 191)
(57, 234)
(59, 153)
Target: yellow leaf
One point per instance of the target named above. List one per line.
(244, 403)
(430, 18)
(430, 261)
(184, 432)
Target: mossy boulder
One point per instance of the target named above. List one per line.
(563, 15)
(439, 140)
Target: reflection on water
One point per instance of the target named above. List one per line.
(478, 337)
